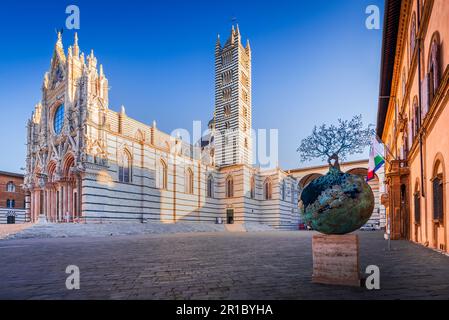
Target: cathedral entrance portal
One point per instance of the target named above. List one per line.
(230, 216)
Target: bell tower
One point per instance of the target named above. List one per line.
(233, 118)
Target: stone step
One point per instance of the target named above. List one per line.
(237, 227)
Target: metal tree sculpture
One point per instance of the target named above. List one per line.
(336, 142)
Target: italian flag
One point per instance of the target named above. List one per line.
(376, 158)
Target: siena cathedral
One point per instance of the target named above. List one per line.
(88, 163)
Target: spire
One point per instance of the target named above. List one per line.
(59, 42)
(238, 30)
(76, 49)
(101, 71)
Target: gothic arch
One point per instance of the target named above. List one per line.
(67, 164)
(268, 189)
(210, 185)
(229, 186)
(125, 166)
(51, 170)
(163, 174)
(189, 181)
(140, 136)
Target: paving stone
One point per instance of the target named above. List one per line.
(219, 265)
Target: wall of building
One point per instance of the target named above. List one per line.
(403, 125)
(18, 195)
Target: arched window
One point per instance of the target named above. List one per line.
(229, 187)
(434, 67)
(210, 186)
(163, 175)
(267, 189)
(10, 187)
(125, 167)
(253, 187)
(189, 181)
(413, 36)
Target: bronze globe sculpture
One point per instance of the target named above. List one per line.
(337, 203)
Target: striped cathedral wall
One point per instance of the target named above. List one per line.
(104, 198)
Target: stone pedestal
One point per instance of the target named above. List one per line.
(336, 260)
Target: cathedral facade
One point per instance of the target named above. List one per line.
(88, 163)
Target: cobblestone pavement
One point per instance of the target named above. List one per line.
(267, 265)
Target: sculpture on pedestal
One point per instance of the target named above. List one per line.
(338, 203)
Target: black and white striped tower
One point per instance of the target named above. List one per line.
(233, 101)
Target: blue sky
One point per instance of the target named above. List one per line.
(313, 62)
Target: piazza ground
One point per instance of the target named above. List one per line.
(262, 265)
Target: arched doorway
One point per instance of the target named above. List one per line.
(68, 192)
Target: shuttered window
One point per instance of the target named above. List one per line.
(417, 208)
(438, 199)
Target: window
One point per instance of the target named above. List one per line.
(417, 204)
(283, 190)
(227, 94)
(189, 181)
(245, 80)
(10, 204)
(229, 187)
(163, 175)
(413, 36)
(245, 96)
(293, 193)
(125, 169)
(438, 199)
(10, 187)
(227, 58)
(253, 187)
(417, 124)
(245, 112)
(434, 68)
(58, 120)
(210, 186)
(227, 110)
(268, 189)
(226, 77)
